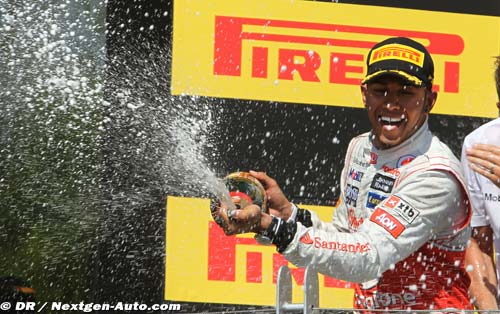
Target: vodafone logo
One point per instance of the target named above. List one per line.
(388, 222)
(390, 170)
(354, 222)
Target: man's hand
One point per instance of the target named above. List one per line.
(236, 221)
(279, 205)
(485, 160)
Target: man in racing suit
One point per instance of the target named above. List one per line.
(402, 223)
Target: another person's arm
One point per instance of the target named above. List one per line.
(483, 288)
(480, 251)
(485, 160)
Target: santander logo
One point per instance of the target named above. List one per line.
(306, 239)
(319, 243)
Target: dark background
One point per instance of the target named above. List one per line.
(82, 215)
(292, 142)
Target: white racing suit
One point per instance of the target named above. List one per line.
(400, 228)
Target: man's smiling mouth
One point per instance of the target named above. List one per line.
(390, 123)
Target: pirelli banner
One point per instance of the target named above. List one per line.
(203, 265)
(299, 52)
(314, 52)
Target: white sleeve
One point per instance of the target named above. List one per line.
(425, 204)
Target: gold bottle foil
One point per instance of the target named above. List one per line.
(245, 190)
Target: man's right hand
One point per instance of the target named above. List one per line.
(278, 204)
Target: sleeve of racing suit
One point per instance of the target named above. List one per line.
(479, 216)
(425, 204)
(282, 233)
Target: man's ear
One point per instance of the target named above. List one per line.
(430, 100)
(363, 93)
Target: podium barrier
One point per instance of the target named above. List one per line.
(284, 303)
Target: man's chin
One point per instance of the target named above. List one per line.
(388, 142)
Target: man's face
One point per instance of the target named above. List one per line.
(395, 110)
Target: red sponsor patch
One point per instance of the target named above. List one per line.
(404, 160)
(392, 202)
(390, 170)
(401, 208)
(306, 239)
(373, 158)
(388, 222)
(354, 222)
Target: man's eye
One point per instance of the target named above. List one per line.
(407, 92)
(380, 92)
